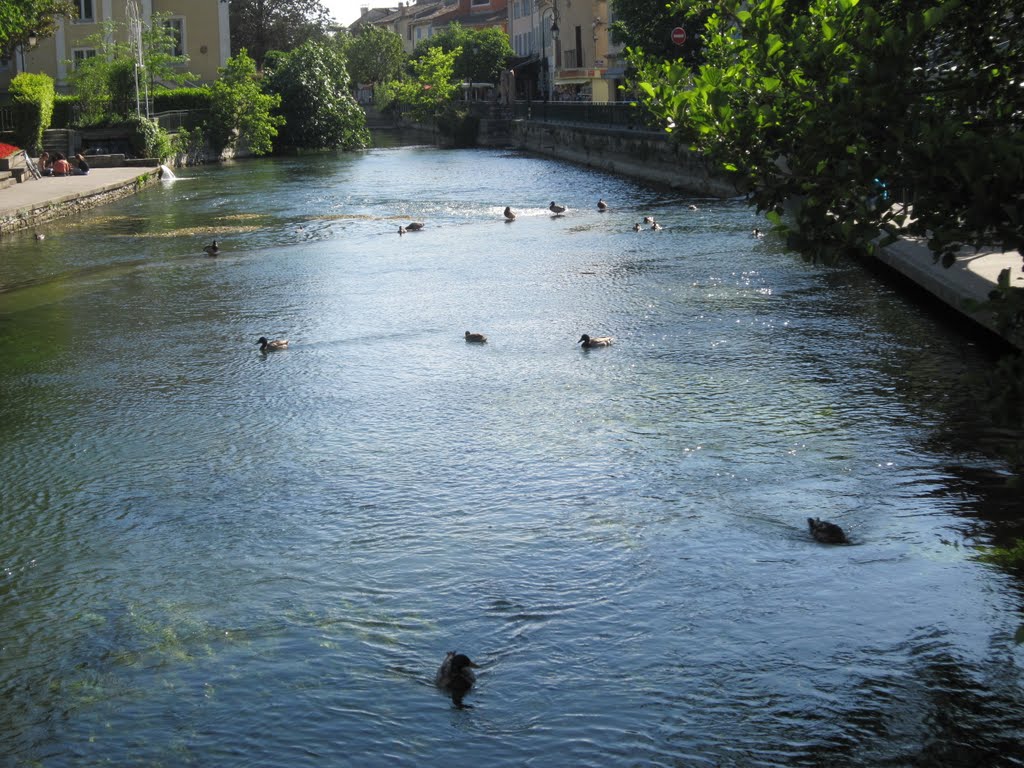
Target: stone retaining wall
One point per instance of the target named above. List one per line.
(56, 209)
(647, 156)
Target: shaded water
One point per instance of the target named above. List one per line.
(216, 557)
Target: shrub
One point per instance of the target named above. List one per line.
(65, 111)
(33, 94)
(181, 98)
(148, 139)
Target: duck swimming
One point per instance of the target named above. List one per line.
(401, 230)
(600, 341)
(455, 676)
(648, 219)
(825, 532)
(271, 346)
(602, 205)
(655, 225)
(509, 215)
(475, 337)
(636, 227)
(555, 208)
(212, 249)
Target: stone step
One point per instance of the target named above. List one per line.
(6, 180)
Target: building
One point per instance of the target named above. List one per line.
(201, 27)
(564, 49)
(415, 22)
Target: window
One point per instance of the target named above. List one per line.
(177, 27)
(78, 55)
(481, 2)
(85, 10)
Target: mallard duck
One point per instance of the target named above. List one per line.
(212, 249)
(825, 532)
(602, 205)
(414, 226)
(509, 215)
(636, 227)
(477, 337)
(455, 676)
(271, 346)
(600, 341)
(555, 208)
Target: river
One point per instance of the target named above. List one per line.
(216, 557)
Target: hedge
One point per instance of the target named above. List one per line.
(33, 96)
(181, 98)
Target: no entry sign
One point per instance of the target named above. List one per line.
(678, 35)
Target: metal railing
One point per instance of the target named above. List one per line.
(7, 117)
(618, 114)
(176, 119)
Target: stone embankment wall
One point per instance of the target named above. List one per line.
(49, 210)
(643, 155)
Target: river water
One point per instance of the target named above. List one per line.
(215, 557)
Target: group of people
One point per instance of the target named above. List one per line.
(59, 165)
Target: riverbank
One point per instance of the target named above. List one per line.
(35, 202)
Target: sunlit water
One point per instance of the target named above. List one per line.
(220, 558)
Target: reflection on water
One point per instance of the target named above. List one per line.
(217, 557)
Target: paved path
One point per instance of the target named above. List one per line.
(971, 277)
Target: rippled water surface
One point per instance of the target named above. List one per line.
(220, 558)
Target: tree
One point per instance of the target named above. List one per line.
(646, 26)
(431, 88)
(823, 102)
(21, 18)
(263, 25)
(374, 56)
(484, 53)
(316, 102)
(240, 110)
(105, 83)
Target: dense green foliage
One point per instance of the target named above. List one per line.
(147, 139)
(374, 56)
(820, 103)
(482, 53)
(20, 18)
(240, 110)
(168, 99)
(259, 26)
(33, 95)
(646, 25)
(430, 89)
(316, 102)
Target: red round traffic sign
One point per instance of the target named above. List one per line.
(678, 35)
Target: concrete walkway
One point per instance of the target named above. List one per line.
(39, 200)
(972, 277)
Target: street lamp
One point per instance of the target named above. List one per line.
(30, 44)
